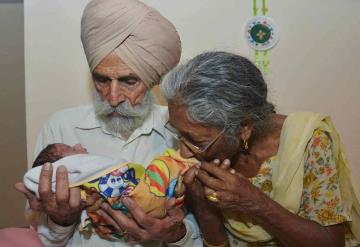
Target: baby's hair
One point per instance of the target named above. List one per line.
(48, 154)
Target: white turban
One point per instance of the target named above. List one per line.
(145, 40)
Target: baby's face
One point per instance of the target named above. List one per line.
(66, 150)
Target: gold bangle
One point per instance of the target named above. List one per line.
(213, 245)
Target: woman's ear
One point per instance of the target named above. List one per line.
(246, 132)
(247, 127)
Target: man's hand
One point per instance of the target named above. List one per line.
(141, 227)
(63, 206)
(34, 203)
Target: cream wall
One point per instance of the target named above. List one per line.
(12, 111)
(314, 67)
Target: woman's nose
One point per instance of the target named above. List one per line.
(185, 152)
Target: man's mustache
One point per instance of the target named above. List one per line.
(125, 109)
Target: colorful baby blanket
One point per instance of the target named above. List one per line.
(103, 179)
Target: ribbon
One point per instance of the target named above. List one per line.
(262, 60)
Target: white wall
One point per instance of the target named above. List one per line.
(314, 67)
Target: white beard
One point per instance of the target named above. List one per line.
(128, 118)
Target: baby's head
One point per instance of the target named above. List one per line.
(56, 151)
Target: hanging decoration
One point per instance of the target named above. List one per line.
(262, 34)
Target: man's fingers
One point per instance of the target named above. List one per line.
(30, 196)
(103, 230)
(138, 213)
(171, 209)
(62, 186)
(75, 198)
(117, 215)
(132, 241)
(21, 188)
(105, 218)
(45, 192)
(126, 223)
(170, 204)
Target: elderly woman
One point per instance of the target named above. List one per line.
(282, 180)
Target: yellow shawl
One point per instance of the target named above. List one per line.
(288, 174)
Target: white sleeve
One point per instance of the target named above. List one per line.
(52, 234)
(192, 237)
(44, 138)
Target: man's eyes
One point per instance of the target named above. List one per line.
(130, 80)
(126, 81)
(103, 80)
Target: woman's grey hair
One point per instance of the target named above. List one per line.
(221, 90)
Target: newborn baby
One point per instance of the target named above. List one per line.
(104, 179)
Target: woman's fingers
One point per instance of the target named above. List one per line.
(189, 176)
(208, 191)
(216, 162)
(211, 182)
(215, 171)
(225, 165)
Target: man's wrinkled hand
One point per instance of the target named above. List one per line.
(142, 227)
(63, 206)
(34, 203)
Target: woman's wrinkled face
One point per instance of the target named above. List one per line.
(199, 135)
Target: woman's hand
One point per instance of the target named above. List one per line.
(192, 184)
(63, 206)
(232, 190)
(195, 194)
(201, 207)
(196, 191)
(141, 227)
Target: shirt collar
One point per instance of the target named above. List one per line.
(88, 121)
(154, 122)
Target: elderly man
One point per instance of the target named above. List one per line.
(129, 46)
